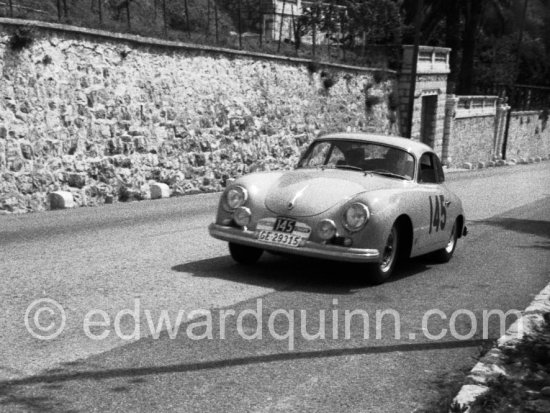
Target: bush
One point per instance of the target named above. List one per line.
(22, 38)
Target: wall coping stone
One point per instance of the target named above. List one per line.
(525, 112)
(476, 106)
(425, 48)
(473, 115)
(150, 41)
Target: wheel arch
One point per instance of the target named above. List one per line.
(405, 228)
(460, 225)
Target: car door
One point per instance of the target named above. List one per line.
(434, 198)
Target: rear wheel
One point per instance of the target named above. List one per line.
(445, 254)
(381, 271)
(244, 254)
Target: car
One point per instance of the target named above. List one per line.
(354, 197)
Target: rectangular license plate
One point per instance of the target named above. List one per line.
(282, 231)
(274, 237)
(284, 225)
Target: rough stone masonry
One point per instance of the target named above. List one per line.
(104, 118)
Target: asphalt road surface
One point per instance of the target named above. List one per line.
(156, 256)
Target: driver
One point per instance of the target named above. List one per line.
(355, 157)
(397, 161)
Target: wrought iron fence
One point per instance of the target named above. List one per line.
(253, 25)
(524, 97)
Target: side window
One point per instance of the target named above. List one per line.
(439, 169)
(427, 172)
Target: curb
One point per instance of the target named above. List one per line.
(491, 365)
(489, 165)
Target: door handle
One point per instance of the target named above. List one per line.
(447, 203)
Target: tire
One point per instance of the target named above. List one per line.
(383, 270)
(243, 254)
(445, 254)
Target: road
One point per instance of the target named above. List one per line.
(157, 255)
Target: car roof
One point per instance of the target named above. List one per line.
(414, 147)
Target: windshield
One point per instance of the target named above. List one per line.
(359, 156)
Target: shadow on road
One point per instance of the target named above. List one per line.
(137, 372)
(526, 226)
(284, 273)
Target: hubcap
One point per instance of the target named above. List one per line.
(389, 251)
(451, 244)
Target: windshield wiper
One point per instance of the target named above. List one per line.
(386, 173)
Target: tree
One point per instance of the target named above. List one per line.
(483, 37)
(473, 10)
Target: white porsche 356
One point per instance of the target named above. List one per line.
(352, 197)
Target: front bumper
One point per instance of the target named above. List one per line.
(310, 249)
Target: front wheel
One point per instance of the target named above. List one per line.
(445, 254)
(244, 254)
(381, 271)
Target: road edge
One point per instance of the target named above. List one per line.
(471, 167)
(491, 364)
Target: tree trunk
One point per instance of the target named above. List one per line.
(164, 21)
(473, 11)
(128, 17)
(187, 24)
(452, 40)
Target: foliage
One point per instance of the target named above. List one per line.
(485, 38)
(370, 21)
(328, 79)
(483, 35)
(379, 20)
(22, 38)
(46, 60)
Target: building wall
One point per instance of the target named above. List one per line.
(472, 140)
(528, 136)
(475, 129)
(285, 13)
(104, 116)
(430, 79)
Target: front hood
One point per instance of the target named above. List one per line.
(307, 192)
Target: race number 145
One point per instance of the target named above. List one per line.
(438, 213)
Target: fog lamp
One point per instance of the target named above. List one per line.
(241, 216)
(326, 229)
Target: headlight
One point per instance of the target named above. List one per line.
(326, 229)
(356, 216)
(236, 197)
(241, 216)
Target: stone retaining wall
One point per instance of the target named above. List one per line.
(472, 140)
(475, 129)
(529, 135)
(103, 117)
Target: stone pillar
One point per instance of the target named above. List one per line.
(500, 126)
(448, 128)
(431, 79)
